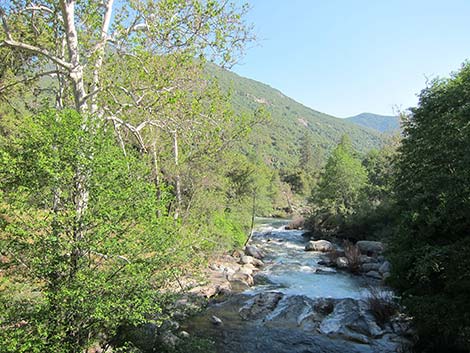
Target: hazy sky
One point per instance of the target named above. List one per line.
(344, 57)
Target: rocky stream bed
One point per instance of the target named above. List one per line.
(286, 293)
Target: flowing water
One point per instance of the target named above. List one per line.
(293, 271)
(296, 305)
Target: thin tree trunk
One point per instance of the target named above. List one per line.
(100, 56)
(178, 178)
(82, 175)
(156, 175)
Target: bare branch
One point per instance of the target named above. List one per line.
(131, 128)
(38, 8)
(5, 23)
(20, 45)
(32, 78)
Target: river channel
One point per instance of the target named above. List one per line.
(297, 305)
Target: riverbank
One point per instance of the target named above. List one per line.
(296, 304)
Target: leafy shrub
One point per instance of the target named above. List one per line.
(81, 285)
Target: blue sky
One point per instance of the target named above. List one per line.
(344, 57)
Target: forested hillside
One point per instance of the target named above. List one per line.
(280, 141)
(382, 123)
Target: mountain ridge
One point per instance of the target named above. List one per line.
(280, 142)
(388, 124)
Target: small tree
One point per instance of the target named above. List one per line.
(341, 182)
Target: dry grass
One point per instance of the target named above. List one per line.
(353, 254)
(381, 304)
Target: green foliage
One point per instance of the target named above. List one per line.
(376, 215)
(337, 196)
(381, 123)
(280, 143)
(80, 285)
(371, 213)
(430, 251)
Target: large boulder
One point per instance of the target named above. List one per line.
(370, 247)
(351, 321)
(320, 245)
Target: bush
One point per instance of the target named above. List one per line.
(430, 250)
(85, 274)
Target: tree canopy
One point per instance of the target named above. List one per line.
(431, 268)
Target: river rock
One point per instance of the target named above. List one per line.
(370, 266)
(370, 247)
(349, 320)
(365, 259)
(247, 269)
(385, 267)
(342, 262)
(246, 259)
(260, 305)
(324, 306)
(184, 334)
(216, 321)
(242, 278)
(374, 274)
(319, 245)
(253, 251)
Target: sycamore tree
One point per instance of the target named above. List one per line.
(80, 224)
(71, 42)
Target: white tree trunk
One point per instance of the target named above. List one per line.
(178, 178)
(76, 70)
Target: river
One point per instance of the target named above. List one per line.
(297, 305)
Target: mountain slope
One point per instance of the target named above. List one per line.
(382, 123)
(279, 143)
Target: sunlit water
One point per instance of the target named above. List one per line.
(292, 270)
